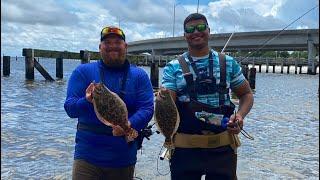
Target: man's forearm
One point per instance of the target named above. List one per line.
(245, 104)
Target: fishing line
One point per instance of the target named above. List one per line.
(243, 132)
(272, 38)
(158, 163)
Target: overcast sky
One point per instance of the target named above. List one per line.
(74, 25)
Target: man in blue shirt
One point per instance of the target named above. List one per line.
(199, 81)
(102, 151)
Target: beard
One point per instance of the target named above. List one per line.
(114, 58)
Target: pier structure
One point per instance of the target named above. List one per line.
(278, 40)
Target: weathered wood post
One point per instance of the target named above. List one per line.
(260, 63)
(84, 56)
(252, 78)
(146, 60)
(29, 63)
(245, 71)
(6, 66)
(154, 74)
(59, 67)
(253, 63)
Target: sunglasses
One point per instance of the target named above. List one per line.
(112, 30)
(199, 27)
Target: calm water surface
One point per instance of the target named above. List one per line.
(37, 136)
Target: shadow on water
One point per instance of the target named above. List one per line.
(37, 137)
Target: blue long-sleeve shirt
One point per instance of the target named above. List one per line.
(105, 150)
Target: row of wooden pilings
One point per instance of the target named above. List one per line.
(154, 70)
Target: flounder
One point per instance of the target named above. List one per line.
(166, 117)
(111, 110)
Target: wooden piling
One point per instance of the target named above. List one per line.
(245, 71)
(154, 74)
(84, 56)
(288, 69)
(6, 66)
(42, 71)
(282, 66)
(252, 78)
(29, 63)
(59, 68)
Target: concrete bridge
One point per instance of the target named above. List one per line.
(287, 40)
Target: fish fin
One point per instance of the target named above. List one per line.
(168, 145)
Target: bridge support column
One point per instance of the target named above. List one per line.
(311, 57)
(300, 70)
(267, 65)
(273, 68)
(295, 66)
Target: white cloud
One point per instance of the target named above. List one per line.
(75, 25)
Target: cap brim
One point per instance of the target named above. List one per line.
(110, 33)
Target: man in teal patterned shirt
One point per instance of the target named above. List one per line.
(200, 82)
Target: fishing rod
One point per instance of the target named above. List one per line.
(227, 43)
(272, 38)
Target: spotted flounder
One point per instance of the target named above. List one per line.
(166, 117)
(111, 110)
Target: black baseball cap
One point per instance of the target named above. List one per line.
(194, 16)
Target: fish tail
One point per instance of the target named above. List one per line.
(168, 144)
(132, 133)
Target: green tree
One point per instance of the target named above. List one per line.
(300, 54)
(284, 54)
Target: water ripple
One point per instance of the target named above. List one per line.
(37, 137)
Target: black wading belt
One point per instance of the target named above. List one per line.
(222, 87)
